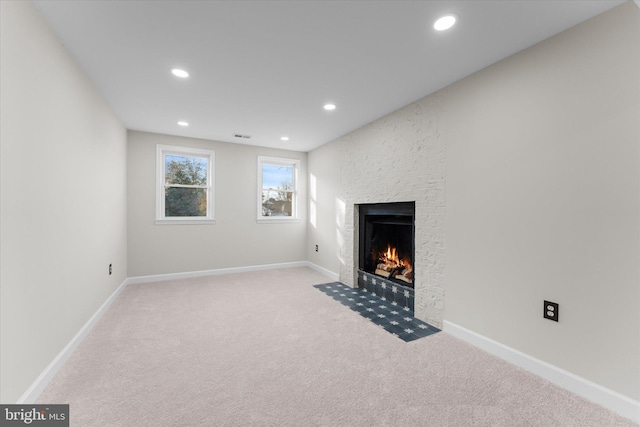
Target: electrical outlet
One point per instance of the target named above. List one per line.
(316, 248)
(110, 269)
(551, 310)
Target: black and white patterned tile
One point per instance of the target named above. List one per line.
(382, 311)
(398, 295)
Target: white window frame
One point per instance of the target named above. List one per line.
(161, 152)
(280, 161)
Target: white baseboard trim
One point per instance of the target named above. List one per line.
(37, 387)
(233, 270)
(326, 272)
(596, 393)
(214, 272)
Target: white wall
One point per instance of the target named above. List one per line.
(543, 200)
(326, 230)
(542, 196)
(235, 240)
(63, 198)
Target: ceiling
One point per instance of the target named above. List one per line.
(266, 68)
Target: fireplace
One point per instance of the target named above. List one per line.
(386, 250)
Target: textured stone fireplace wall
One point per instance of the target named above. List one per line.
(398, 158)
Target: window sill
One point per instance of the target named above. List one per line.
(184, 221)
(277, 220)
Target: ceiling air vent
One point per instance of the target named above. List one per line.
(239, 135)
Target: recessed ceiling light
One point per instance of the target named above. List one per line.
(329, 107)
(285, 138)
(181, 123)
(179, 73)
(445, 22)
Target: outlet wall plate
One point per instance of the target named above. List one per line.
(551, 310)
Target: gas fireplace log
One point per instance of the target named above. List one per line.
(385, 267)
(403, 278)
(405, 274)
(383, 273)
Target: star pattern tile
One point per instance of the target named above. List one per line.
(378, 311)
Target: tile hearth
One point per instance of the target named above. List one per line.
(397, 320)
(397, 294)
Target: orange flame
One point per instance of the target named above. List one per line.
(391, 257)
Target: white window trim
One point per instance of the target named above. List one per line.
(296, 190)
(161, 151)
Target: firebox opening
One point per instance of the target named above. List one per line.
(387, 241)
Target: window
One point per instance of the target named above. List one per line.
(184, 185)
(277, 189)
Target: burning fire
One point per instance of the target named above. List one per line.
(390, 265)
(390, 257)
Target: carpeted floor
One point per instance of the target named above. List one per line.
(268, 349)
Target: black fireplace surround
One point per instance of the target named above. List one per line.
(387, 241)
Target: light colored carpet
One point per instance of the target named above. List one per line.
(267, 349)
